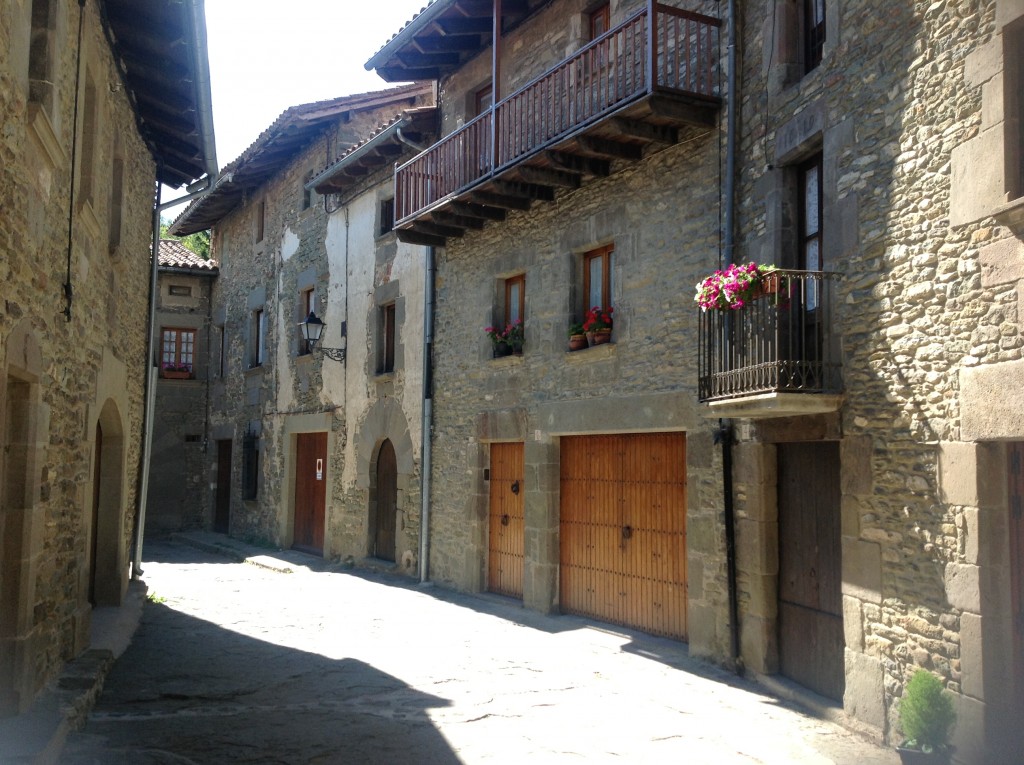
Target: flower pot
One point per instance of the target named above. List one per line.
(577, 342)
(917, 757)
(502, 349)
(601, 337)
(169, 374)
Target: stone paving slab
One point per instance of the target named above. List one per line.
(239, 663)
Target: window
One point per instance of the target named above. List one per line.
(261, 217)
(599, 21)
(87, 171)
(387, 216)
(483, 99)
(259, 338)
(116, 203)
(179, 290)
(813, 33)
(809, 255)
(388, 335)
(598, 278)
(515, 299)
(250, 465)
(1013, 90)
(307, 194)
(42, 51)
(307, 303)
(177, 351)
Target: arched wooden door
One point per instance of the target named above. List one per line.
(387, 503)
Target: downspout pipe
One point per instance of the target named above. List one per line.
(150, 397)
(428, 413)
(725, 429)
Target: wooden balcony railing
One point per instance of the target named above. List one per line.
(658, 50)
(778, 343)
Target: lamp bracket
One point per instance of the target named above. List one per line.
(338, 354)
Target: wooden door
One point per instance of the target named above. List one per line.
(310, 492)
(222, 509)
(811, 638)
(506, 527)
(623, 530)
(94, 534)
(387, 503)
(1015, 453)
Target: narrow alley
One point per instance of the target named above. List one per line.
(296, 661)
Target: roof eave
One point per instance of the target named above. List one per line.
(414, 27)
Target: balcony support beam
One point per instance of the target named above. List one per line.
(595, 168)
(416, 237)
(645, 131)
(548, 177)
(493, 199)
(603, 147)
(436, 229)
(446, 217)
(483, 212)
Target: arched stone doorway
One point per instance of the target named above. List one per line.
(385, 502)
(105, 557)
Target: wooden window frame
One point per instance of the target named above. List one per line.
(805, 234)
(599, 21)
(520, 304)
(261, 219)
(606, 253)
(813, 33)
(386, 222)
(483, 99)
(259, 338)
(1013, 94)
(307, 303)
(388, 338)
(182, 351)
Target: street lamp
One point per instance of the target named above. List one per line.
(312, 328)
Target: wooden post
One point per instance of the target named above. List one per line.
(495, 81)
(652, 46)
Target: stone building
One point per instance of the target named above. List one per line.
(823, 485)
(314, 451)
(178, 496)
(93, 118)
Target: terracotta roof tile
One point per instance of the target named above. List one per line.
(173, 254)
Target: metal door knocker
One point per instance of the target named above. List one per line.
(504, 520)
(515, 487)
(627, 532)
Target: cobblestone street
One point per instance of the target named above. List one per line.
(238, 663)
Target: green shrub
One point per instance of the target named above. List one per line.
(926, 713)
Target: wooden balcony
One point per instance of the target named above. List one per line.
(636, 88)
(778, 356)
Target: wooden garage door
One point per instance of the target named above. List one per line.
(623, 530)
(505, 545)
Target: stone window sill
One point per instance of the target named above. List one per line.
(593, 353)
(1011, 214)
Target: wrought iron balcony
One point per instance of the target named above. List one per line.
(777, 356)
(635, 86)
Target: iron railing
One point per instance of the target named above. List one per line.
(678, 54)
(778, 343)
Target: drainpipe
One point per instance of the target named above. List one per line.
(725, 430)
(428, 413)
(203, 186)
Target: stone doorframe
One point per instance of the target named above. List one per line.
(757, 554)
(385, 421)
(24, 433)
(109, 514)
(293, 425)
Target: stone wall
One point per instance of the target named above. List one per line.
(333, 247)
(929, 303)
(63, 376)
(179, 494)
